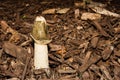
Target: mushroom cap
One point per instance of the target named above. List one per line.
(39, 33)
(40, 18)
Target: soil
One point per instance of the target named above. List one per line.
(80, 49)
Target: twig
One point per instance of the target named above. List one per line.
(26, 65)
(98, 26)
(91, 61)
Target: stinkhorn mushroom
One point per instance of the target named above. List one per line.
(40, 37)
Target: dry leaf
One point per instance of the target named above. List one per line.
(90, 16)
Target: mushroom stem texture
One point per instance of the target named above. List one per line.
(41, 56)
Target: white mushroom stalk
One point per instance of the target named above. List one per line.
(40, 37)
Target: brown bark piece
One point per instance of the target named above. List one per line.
(96, 69)
(94, 42)
(16, 37)
(117, 52)
(107, 52)
(49, 11)
(86, 76)
(67, 71)
(87, 57)
(4, 26)
(77, 13)
(106, 72)
(26, 65)
(117, 72)
(91, 61)
(15, 51)
(98, 26)
(117, 30)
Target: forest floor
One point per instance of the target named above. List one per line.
(81, 48)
